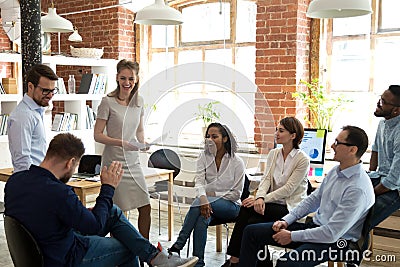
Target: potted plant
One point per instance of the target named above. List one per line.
(207, 114)
(320, 104)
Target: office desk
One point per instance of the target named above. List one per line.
(84, 188)
(5, 174)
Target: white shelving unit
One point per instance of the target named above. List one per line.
(76, 103)
(73, 103)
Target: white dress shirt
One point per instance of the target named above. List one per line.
(226, 182)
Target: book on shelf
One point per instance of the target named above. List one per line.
(64, 122)
(85, 83)
(90, 117)
(57, 122)
(61, 86)
(93, 83)
(3, 124)
(2, 91)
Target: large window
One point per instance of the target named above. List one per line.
(214, 32)
(361, 61)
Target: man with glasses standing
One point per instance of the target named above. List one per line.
(26, 130)
(385, 157)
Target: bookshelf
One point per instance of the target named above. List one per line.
(73, 103)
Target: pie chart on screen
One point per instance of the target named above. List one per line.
(313, 153)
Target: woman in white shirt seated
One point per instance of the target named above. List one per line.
(219, 181)
(283, 186)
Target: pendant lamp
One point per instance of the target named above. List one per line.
(75, 36)
(159, 13)
(55, 23)
(338, 8)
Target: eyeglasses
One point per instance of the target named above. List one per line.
(336, 143)
(382, 102)
(46, 91)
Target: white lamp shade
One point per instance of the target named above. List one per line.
(54, 23)
(338, 8)
(159, 14)
(75, 37)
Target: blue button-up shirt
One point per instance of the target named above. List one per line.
(26, 134)
(341, 204)
(52, 212)
(387, 144)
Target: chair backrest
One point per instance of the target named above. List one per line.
(90, 164)
(23, 248)
(246, 186)
(165, 159)
(310, 189)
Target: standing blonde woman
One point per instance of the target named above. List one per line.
(120, 113)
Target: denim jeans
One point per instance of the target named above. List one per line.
(257, 237)
(122, 249)
(222, 209)
(385, 205)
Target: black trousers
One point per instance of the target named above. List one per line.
(247, 216)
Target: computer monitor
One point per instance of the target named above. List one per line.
(313, 144)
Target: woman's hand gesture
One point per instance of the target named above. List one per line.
(259, 206)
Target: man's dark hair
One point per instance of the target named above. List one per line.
(230, 145)
(395, 90)
(40, 70)
(65, 146)
(357, 136)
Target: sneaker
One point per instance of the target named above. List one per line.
(163, 259)
(173, 249)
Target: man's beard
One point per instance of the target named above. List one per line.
(40, 103)
(65, 178)
(382, 113)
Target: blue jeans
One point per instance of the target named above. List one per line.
(385, 205)
(122, 249)
(222, 209)
(257, 237)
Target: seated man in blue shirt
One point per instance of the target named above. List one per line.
(385, 157)
(341, 204)
(68, 233)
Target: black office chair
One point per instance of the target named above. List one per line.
(163, 159)
(23, 248)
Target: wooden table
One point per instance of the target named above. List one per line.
(84, 188)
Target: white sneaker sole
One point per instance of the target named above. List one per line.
(190, 263)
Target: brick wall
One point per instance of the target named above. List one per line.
(110, 28)
(281, 60)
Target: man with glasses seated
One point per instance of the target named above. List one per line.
(341, 205)
(385, 157)
(26, 130)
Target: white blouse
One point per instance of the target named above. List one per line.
(283, 171)
(226, 182)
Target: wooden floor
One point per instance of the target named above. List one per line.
(212, 258)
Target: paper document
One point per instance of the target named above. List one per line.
(154, 142)
(93, 179)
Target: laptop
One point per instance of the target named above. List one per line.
(89, 167)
